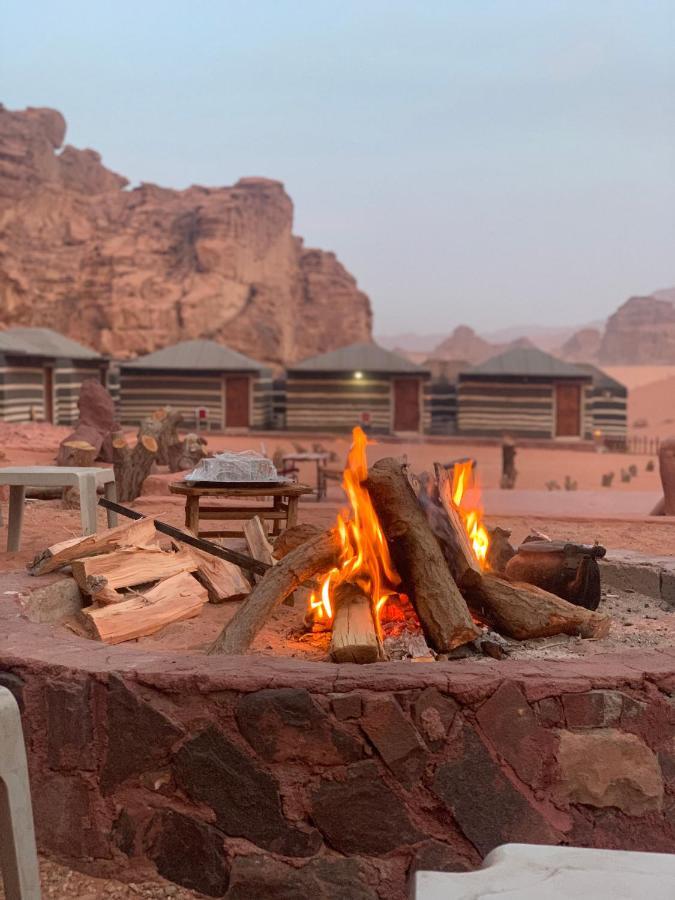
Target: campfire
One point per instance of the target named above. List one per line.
(408, 549)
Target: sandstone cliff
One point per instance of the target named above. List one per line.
(582, 346)
(640, 332)
(129, 271)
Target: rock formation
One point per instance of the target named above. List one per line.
(465, 345)
(130, 271)
(582, 346)
(640, 332)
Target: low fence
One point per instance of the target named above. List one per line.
(637, 444)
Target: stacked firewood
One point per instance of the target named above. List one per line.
(439, 574)
(135, 587)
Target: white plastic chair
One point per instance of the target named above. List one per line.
(18, 856)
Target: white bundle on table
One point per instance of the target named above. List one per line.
(228, 466)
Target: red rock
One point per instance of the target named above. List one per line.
(549, 712)
(346, 706)
(129, 271)
(326, 878)
(394, 737)
(70, 730)
(513, 730)
(286, 724)
(434, 713)
(609, 768)
(594, 709)
(189, 852)
(486, 805)
(244, 798)
(362, 815)
(139, 735)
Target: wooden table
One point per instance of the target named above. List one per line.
(283, 513)
(318, 458)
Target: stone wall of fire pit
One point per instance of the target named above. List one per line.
(251, 776)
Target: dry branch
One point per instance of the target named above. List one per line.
(354, 636)
(440, 607)
(138, 533)
(317, 556)
(132, 465)
(523, 611)
(173, 600)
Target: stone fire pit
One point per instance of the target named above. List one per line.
(233, 776)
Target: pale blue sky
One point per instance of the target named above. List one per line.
(493, 163)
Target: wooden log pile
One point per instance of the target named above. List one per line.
(134, 586)
(439, 573)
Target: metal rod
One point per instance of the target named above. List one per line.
(232, 556)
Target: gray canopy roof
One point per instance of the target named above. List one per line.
(43, 342)
(199, 355)
(527, 362)
(359, 358)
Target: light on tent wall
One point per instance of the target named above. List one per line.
(358, 375)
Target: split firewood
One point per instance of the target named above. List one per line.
(140, 532)
(293, 537)
(101, 594)
(256, 539)
(354, 636)
(315, 557)
(173, 600)
(223, 580)
(439, 605)
(130, 566)
(132, 465)
(523, 611)
(465, 558)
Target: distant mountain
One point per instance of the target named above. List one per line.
(408, 341)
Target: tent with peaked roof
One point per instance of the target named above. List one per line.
(361, 384)
(41, 373)
(214, 385)
(528, 393)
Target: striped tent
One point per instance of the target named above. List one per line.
(359, 384)
(41, 373)
(210, 383)
(525, 392)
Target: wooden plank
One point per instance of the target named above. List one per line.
(256, 538)
(130, 566)
(224, 513)
(139, 533)
(172, 600)
(354, 637)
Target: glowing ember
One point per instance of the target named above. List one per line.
(364, 558)
(467, 500)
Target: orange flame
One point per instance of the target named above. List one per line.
(364, 557)
(473, 516)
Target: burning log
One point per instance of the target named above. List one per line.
(523, 611)
(318, 555)
(440, 607)
(354, 638)
(466, 560)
